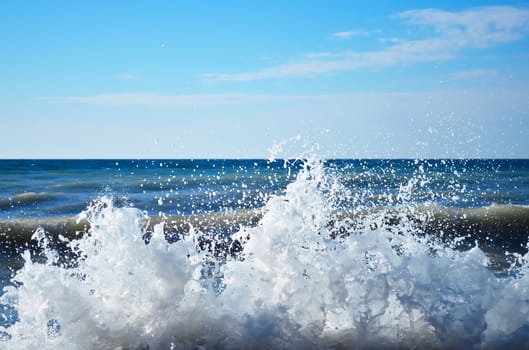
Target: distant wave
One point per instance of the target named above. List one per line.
(496, 218)
(78, 185)
(27, 198)
(21, 230)
(503, 222)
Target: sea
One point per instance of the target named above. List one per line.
(301, 253)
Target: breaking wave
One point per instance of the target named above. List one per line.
(308, 272)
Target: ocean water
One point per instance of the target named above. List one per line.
(272, 254)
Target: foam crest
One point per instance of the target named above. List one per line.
(374, 287)
(121, 292)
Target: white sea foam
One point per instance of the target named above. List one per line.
(305, 279)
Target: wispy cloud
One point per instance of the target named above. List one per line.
(128, 77)
(181, 101)
(475, 74)
(349, 34)
(476, 28)
(405, 53)
(454, 32)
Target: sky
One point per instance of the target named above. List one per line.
(254, 79)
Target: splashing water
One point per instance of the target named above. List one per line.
(310, 275)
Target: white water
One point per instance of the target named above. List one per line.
(293, 287)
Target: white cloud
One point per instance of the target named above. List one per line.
(404, 53)
(477, 28)
(349, 34)
(128, 77)
(181, 101)
(475, 74)
(319, 55)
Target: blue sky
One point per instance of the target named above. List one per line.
(210, 79)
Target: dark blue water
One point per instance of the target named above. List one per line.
(48, 188)
(54, 188)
